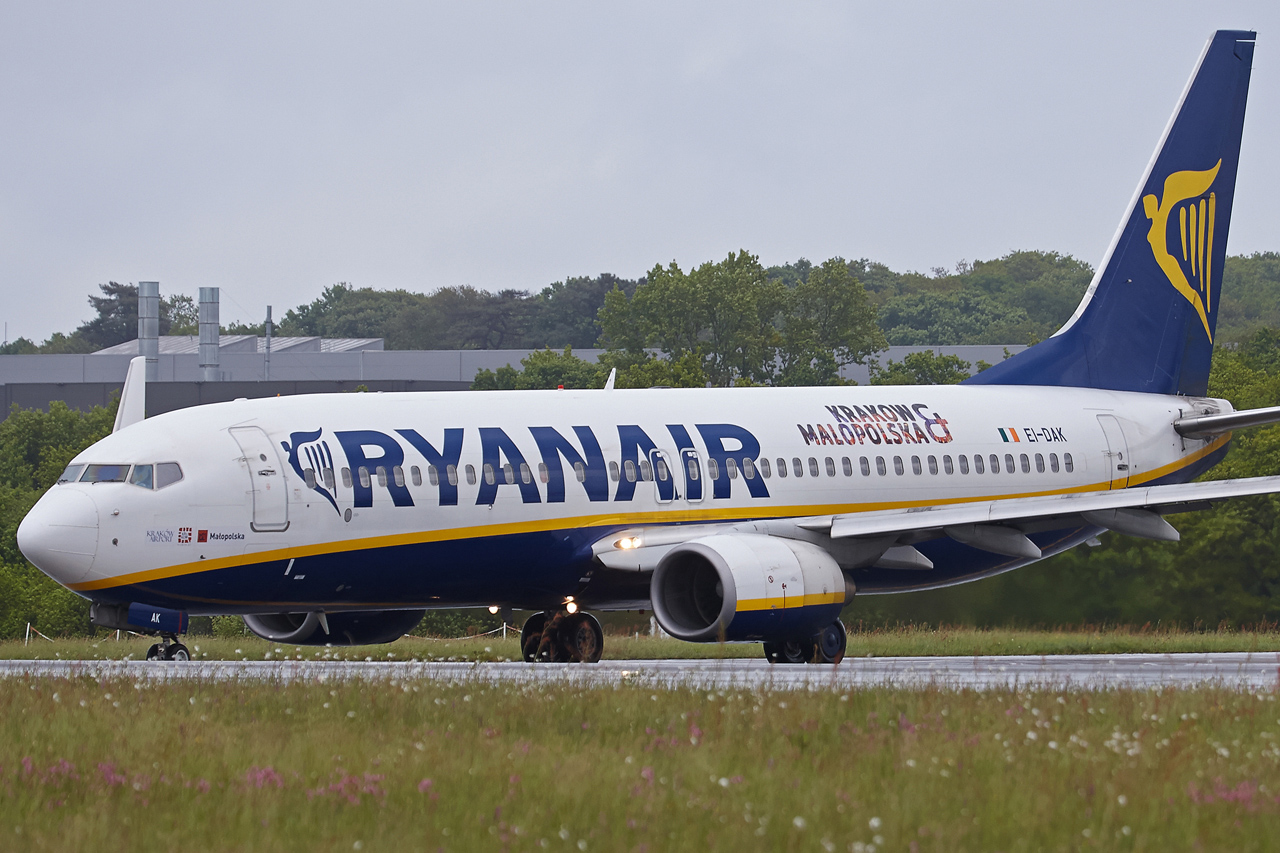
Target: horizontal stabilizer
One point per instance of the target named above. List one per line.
(1207, 426)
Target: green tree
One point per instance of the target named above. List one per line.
(921, 368)
(542, 369)
(827, 323)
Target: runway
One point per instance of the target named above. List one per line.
(1236, 671)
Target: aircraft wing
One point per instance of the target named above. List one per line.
(999, 526)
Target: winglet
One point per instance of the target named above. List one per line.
(133, 399)
(608, 383)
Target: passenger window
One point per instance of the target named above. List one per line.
(994, 463)
(692, 466)
(141, 477)
(797, 467)
(346, 478)
(543, 475)
(308, 475)
(764, 468)
(713, 469)
(731, 468)
(947, 465)
(613, 471)
(416, 473)
(471, 475)
(977, 463)
(748, 468)
(1067, 463)
(915, 466)
(847, 464)
(579, 471)
(526, 475)
(70, 474)
(1053, 462)
(933, 465)
(782, 467)
(831, 466)
(105, 474)
(328, 479)
(813, 467)
(382, 476)
(897, 465)
(865, 465)
(659, 468)
(508, 474)
(167, 473)
(880, 468)
(452, 473)
(1008, 463)
(1039, 463)
(630, 468)
(1026, 463)
(363, 473)
(433, 475)
(646, 470)
(489, 477)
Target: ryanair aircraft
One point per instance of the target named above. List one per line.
(736, 514)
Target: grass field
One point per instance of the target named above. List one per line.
(880, 642)
(115, 765)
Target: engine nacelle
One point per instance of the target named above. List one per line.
(747, 587)
(348, 628)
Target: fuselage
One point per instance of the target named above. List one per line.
(451, 499)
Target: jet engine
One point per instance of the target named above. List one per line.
(747, 587)
(348, 628)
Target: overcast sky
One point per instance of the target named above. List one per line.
(273, 149)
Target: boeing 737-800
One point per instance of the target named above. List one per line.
(734, 513)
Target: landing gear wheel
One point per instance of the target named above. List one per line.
(531, 636)
(830, 643)
(155, 652)
(581, 637)
(790, 651)
(178, 652)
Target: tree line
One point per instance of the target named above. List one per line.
(1020, 298)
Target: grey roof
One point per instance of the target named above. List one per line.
(190, 345)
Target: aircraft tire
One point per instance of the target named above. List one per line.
(582, 638)
(830, 643)
(531, 636)
(790, 651)
(155, 653)
(178, 652)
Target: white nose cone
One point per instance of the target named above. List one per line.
(60, 534)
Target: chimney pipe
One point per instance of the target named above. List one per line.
(149, 326)
(267, 330)
(209, 334)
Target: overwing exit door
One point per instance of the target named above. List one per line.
(266, 479)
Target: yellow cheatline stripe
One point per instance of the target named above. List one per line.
(790, 601)
(612, 519)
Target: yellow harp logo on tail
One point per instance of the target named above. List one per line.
(1192, 274)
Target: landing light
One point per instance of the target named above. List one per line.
(493, 608)
(571, 607)
(628, 542)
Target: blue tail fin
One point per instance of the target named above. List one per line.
(1147, 320)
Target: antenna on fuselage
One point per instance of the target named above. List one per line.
(133, 397)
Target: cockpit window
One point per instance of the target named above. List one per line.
(71, 474)
(141, 476)
(167, 473)
(105, 474)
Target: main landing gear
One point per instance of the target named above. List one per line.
(170, 649)
(826, 646)
(562, 637)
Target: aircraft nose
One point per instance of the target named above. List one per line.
(60, 534)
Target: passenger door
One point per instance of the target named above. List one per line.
(1117, 452)
(266, 479)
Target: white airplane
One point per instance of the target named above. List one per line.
(734, 513)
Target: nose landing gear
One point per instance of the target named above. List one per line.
(170, 649)
(826, 646)
(562, 637)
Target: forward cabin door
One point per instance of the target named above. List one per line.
(266, 479)
(1117, 452)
